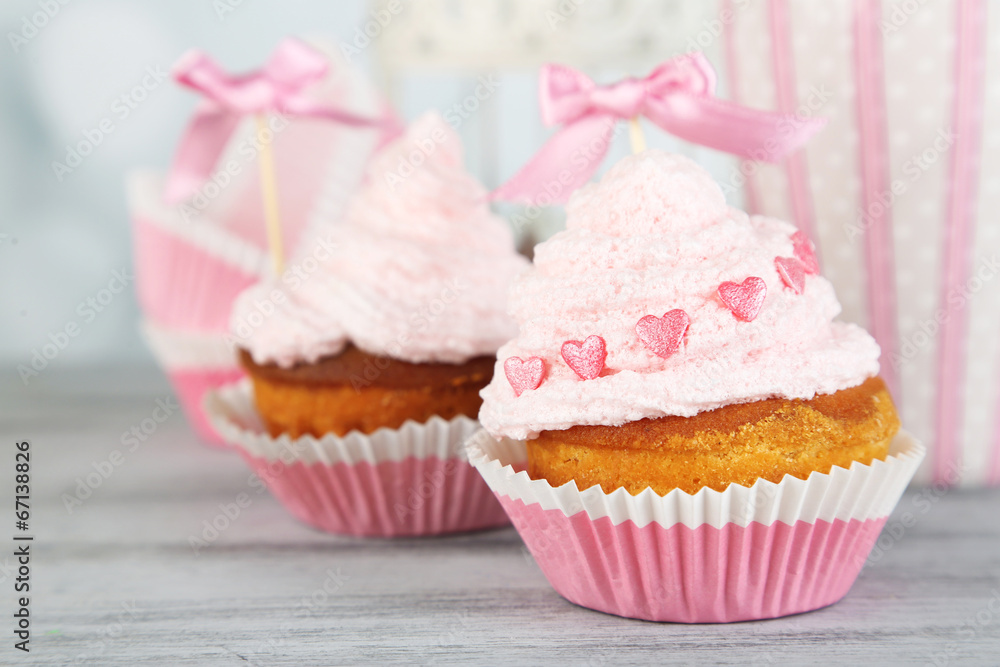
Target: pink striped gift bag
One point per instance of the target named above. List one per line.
(899, 192)
(194, 363)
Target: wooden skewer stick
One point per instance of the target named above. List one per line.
(269, 195)
(635, 135)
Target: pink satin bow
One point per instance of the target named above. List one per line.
(278, 87)
(677, 96)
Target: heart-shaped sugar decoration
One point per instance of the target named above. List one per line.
(745, 298)
(524, 373)
(663, 335)
(805, 252)
(586, 358)
(792, 272)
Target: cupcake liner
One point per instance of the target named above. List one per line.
(194, 363)
(191, 385)
(745, 553)
(187, 273)
(410, 481)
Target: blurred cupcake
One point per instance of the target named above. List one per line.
(198, 248)
(679, 383)
(387, 328)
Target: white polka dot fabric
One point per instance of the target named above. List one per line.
(757, 89)
(915, 53)
(982, 386)
(918, 53)
(824, 73)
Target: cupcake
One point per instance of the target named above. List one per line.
(389, 323)
(679, 381)
(199, 242)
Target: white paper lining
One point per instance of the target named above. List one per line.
(861, 492)
(188, 349)
(233, 414)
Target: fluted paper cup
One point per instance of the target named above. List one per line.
(195, 363)
(410, 481)
(712, 557)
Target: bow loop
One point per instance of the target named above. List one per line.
(294, 65)
(562, 94)
(690, 73)
(624, 99)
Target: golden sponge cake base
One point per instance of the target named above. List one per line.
(355, 391)
(734, 444)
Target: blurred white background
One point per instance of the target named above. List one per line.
(69, 66)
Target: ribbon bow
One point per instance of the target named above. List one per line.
(678, 96)
(279, 86)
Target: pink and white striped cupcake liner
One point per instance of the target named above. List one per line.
(410, 481)
(712, 557)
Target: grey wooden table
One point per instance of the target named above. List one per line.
(115, 580)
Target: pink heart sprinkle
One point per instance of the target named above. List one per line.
(805, 252)
(524, 373)
(792, 272)
(586, 358)
(745, 298)
(663, 335)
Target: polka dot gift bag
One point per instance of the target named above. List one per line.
(899, 192)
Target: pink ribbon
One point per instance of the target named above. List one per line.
(678, 96)
(278, 87)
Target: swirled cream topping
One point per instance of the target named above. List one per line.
(653, 236)
(418, 269)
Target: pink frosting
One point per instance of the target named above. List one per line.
(655, 234)
(418, 269)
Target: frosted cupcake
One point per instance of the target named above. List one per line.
(401, 318)
(676, 360)
(709, 353)
(390, 323)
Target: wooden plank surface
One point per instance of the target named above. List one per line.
(116, 582)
